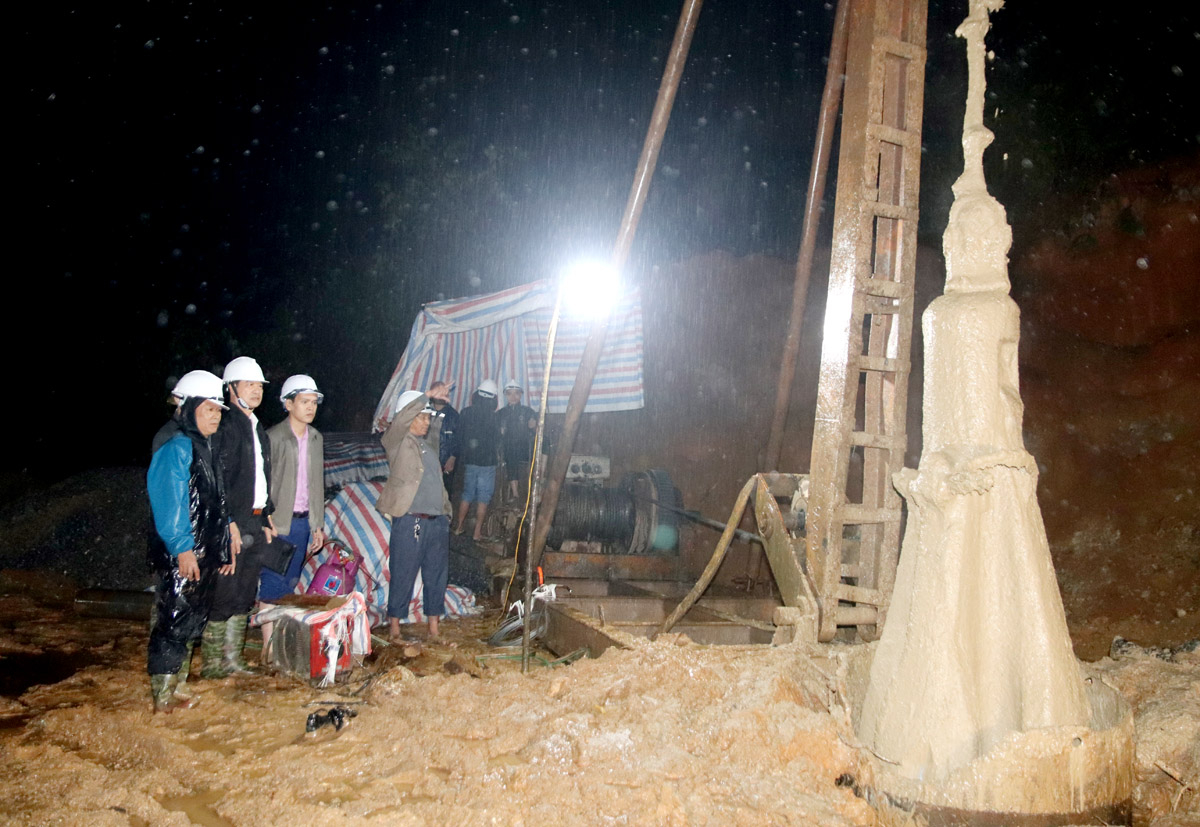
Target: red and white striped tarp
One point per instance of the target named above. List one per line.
(352, 519)
(502, 336)
(353, 458)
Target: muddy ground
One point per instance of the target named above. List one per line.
(668, 733)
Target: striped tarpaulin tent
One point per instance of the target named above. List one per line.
(353, 457)
(352, 519)
(502, 336)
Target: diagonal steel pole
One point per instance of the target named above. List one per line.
(831, 100)
(629, 222)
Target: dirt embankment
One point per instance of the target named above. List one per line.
(1110, 376)
(90, 529)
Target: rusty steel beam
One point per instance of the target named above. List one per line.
(870, 294)
(831, 100)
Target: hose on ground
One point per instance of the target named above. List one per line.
(714, 563)
(510, 631)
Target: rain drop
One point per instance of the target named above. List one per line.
(257, 108)
(1143, 263)
(320, 153)
(331, 205)
(190, 310)
(162, 319)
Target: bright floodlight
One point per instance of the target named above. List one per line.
(590, 288)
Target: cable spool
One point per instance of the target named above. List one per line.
(601, 515)
(627, 520)
(656, 530)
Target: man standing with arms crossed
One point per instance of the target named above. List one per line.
(245, 452)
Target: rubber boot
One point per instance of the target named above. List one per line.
(235, 640)
(162, 690)
(185, 669)
(212, 646)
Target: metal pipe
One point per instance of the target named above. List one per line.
(116, 603)
(830, 103)
(595, 343)
(536, 483)
(709, 522)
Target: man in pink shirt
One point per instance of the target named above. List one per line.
(297, 481)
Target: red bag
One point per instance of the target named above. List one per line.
(336, 575)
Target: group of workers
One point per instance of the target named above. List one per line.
(224, 491)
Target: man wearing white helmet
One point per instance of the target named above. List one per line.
(415, 501)
(188, 385)
(517, 426)
(479, 443)
(191, 539)
(245, 452)
(297, 482)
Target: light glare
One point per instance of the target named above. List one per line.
(590, 289)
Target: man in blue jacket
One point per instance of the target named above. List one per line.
(191, 542)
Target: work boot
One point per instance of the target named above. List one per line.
(212, 646)
(162, 690)
(235, 640)
(185, 669)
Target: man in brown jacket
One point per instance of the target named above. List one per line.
(415, 501)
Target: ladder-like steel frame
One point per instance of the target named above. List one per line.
(865, 356)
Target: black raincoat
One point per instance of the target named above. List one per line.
(187, 498)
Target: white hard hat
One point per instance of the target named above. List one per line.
(201, 384)
(487, 388)
(513, 385)
(300, 383)
(243, 369)
(407, 398)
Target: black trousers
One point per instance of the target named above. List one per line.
(181, 609)
(235, 593)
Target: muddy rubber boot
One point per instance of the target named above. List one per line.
(185, 669)
(212, 646)
(162, 690)
(235, 640)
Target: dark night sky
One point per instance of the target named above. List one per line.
(292, 181)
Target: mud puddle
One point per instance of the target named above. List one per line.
(21, 670)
